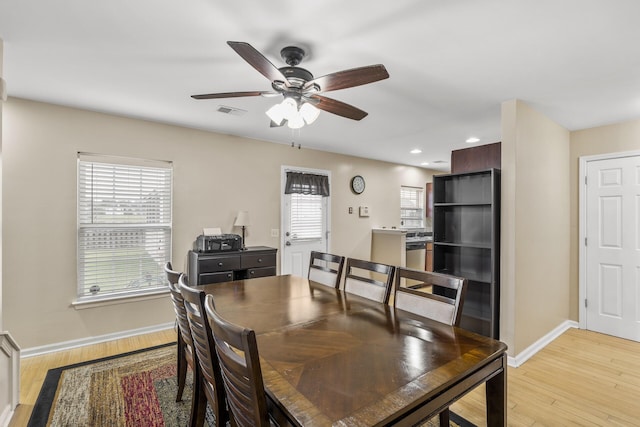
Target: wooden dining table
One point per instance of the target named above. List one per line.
(332, 358)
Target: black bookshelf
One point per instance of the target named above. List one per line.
(466, 242)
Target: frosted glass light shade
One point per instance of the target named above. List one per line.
(309, 112)
(276, 114)
(295, 121)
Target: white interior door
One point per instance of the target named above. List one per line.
(305, 228)
(612, 259)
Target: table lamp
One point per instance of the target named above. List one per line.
(242, 220)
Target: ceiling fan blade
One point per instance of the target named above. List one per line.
(349, 78)
(336, 107)
(229, 95)
(258, 61)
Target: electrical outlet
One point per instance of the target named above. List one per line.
(350, 210)
(275, 232)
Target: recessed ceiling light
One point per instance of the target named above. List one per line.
(424, 164)
(416, 151)
(472, 140)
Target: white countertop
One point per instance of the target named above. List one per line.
(389, 231)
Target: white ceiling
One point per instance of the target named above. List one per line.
(451, 64)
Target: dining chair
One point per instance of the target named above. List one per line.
(185, 353)
(432, 295)
(237, 352)
(361, 279)
(178, 307)
(326, 268)
(212, 388)
(436, 296)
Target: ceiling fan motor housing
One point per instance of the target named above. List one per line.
(292, 55)
(296, 76)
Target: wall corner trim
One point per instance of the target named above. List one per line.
(10, 350)
(525, 355)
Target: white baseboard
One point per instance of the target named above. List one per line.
(525, 355)
(66, 345)
(5, 416)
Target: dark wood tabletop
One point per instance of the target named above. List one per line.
(332, 358)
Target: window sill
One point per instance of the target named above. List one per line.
(93, 302)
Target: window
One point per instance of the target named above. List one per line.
(411, 207)
(306, 216)
(124, 225)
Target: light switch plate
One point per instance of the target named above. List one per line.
(364, 211)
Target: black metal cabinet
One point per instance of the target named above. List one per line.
(256, 261)
(466, 242)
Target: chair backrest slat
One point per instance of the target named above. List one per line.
(367, 285)
(433, 295)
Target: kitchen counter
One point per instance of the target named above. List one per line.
(402, 248)
(388, 246)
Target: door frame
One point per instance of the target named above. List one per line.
(283, 182)
(582, 233)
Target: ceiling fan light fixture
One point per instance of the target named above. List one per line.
(288, 111)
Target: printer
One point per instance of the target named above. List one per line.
(217, 243)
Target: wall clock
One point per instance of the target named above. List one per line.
(357, 184)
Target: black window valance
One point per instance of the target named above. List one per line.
(307, 183)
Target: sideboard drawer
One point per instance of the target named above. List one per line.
(207, 278)
(219, 263)
(258, 260)
(252, 273)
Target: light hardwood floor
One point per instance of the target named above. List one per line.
(580, 379)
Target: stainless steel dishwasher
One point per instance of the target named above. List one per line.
(416, 248)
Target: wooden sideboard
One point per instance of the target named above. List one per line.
(216, 267)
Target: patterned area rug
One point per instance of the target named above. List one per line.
(136, 389)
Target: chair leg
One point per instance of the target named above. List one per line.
(181, 366)
(220, 409)
(444, 418)
(198, 400)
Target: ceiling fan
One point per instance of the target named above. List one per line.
(301, 91)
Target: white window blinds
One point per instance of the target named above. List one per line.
(306, 216)
(124, 225)
(411, 207)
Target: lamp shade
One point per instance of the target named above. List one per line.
(242, 219)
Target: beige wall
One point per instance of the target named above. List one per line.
(535, 226)
(214, 177)
(1, 104)
(614, 138)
